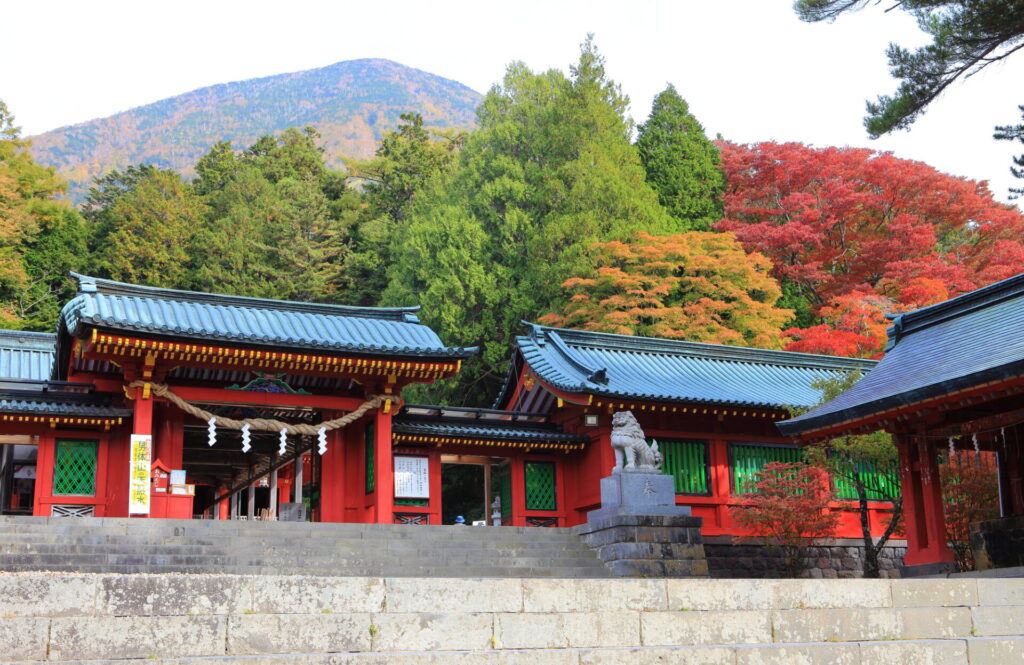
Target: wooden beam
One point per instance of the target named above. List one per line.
(980, 424)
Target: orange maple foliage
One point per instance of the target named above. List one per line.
(696, 286)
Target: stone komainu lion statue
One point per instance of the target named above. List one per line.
(628, 439)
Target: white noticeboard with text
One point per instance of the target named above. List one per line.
(138, 474)
(412, 478)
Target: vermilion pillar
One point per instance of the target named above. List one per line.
(518, 511)
(169, 439)
(922, 503)
(384, 468)
(332, 478)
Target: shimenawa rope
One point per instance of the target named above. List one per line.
(266, 424)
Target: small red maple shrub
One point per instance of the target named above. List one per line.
(970, 493)
(789, 508)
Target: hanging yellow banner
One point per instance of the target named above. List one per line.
(140, 460)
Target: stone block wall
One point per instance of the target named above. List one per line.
(264, 619)
(840, 559)
(998, 543)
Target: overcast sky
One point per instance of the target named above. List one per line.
(749, 69)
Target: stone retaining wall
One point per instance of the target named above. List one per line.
(229, 620)
(842, 559)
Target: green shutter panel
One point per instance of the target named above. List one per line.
(74, 469)
(748, 459)
(881, 485)
(368, 454)
(540, 486)
(687, 463)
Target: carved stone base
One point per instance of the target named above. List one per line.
(648, 545)
(639, 531)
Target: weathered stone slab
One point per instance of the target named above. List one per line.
(136, 637)
(719, 594)
(407, 594)
(432, 631)
(1000, 591)
(179, 595)
(705, 628)
(835, 625)
(602, 629)
(296, 594)
(569, 595)
(934, 593)
(658, 655)
(298, 633)
(24, 638)
(923, 652)
(539, 630)
(799, 654)
(814, 594)
(48, 595)
(995, 650)
(996, 621)
(927, 623)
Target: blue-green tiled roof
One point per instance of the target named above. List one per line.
(481, 424)
(283, 324)
(958, 344)
(624, 366)
(45, 403)
(26, 355)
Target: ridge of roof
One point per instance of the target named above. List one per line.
(87, 285)
(910, 322)
(656, 345)
(28, 339)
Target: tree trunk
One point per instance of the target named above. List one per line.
(870, 568)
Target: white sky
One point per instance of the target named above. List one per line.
(749, 69)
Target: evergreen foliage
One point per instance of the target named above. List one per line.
(41, 237)
(682, 165)
(550, 171)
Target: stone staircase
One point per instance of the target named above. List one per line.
(120, 545)
(299, 620)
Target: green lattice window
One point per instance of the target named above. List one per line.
(687, 463)
(412, 502)
(882, 485)
(368, 446)
(749, 458)
(540, 486)
(74, 469)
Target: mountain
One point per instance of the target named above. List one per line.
(351, 103)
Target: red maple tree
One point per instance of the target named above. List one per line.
(861, 233)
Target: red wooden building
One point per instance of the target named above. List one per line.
(114, 415)
(952, 377)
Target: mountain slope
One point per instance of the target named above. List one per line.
(350, 102)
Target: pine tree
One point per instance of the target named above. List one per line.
(682, 165)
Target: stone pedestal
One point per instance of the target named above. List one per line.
(639, 531)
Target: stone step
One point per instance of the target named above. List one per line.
(967, 651)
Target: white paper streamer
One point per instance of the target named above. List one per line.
(245, 438)
(284, 442)
(212, 430)
(321, 437)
